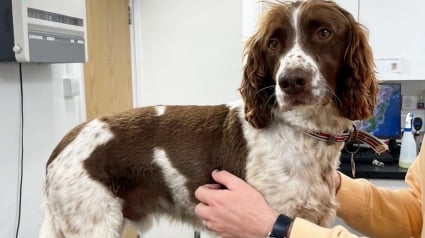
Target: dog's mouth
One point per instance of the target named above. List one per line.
(289, 101)
(299, 99)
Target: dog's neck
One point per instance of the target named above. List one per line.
(323, 118)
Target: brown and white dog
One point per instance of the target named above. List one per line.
(308, 68)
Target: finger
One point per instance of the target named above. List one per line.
(227, 179)
(213, 186)
(203, 193)
(201, 210)
(337, 181)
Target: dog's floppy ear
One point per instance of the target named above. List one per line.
(357, 88)
(257, 87)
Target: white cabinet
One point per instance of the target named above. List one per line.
(397, 37)
(395, 34)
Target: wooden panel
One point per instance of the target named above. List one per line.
(108, 70)
(107, 73)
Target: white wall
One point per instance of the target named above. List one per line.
(251, 11)
(47, 117)
(188, 51)
(9, 146)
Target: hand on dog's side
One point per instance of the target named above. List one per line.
(235, 211)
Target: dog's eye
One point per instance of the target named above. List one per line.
(273, 44)
(323, 33)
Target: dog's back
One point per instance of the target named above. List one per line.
(139, 162)
(149, 161)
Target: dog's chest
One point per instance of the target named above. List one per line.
(291, 169)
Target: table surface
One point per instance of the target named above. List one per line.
(370, 171)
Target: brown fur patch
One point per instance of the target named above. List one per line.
(197, 140)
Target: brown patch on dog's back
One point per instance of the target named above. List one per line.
(196, 139)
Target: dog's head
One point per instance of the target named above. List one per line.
(305, 54)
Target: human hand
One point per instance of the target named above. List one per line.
(237, 211)
(337, 181)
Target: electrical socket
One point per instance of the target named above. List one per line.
(393, 65)
(71, 87)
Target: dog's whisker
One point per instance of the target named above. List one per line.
(265, 88)
(268, 100)
(329, 91)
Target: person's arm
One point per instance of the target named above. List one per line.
(380, 212)
(240, 211)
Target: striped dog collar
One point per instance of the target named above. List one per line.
(376, 144)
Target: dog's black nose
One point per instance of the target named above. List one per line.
(294, 81)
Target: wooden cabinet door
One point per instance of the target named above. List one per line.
(108, 70)
(107, 74)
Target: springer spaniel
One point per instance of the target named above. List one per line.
(308, 71)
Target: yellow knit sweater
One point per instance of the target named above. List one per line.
(376, 212)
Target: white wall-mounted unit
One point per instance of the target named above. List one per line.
(43, 31)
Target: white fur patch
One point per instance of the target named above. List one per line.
(295, 18)
(175, 181)
(297, 58)
(234, 104)
(160, 110)
(79, 206)
(293, 161)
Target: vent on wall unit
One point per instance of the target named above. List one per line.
(43, 31)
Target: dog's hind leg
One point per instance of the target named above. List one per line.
(99, 216)
(89, 213)
(48, 227)
(78, 206)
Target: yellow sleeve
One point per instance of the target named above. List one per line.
(380, 212)
(303, 229)
(376, 212)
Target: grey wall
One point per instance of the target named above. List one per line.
(47, 116)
